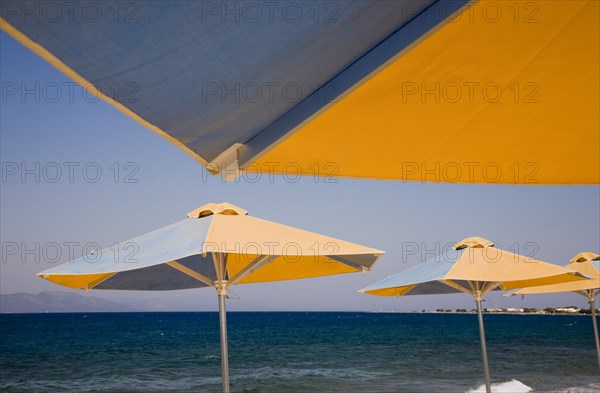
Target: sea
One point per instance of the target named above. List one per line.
(295, 352)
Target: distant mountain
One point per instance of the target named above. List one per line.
(54, 301)
(58, 301)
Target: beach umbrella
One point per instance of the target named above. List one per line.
(588, 264)
(476, 267)
(414, 90)
(218, 246)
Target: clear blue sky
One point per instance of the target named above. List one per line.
(78, 132)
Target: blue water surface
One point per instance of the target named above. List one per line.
(292, 352)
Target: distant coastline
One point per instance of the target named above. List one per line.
(546, 311)
(53, 302)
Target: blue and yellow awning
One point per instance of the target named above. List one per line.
(587, 264)
(429, 90)
(217, 244)
(473, 266)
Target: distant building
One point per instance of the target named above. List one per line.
(495, 310)
(567, 309)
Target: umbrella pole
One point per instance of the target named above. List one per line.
(486, 369)
(595, 324)
(222, 293)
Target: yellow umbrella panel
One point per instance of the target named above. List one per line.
(473, 102)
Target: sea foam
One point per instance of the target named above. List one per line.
(513, 386)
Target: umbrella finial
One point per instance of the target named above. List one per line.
(473, 242)
(585, 256)
(217, 208)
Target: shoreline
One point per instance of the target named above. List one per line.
(474, 313)
(286, 312)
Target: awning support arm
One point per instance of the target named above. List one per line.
(353, 265)
(456, 286)
(191, 273)
(250, 268)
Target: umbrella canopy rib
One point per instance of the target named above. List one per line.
(251, 268)
(191, 273)
(457, 286)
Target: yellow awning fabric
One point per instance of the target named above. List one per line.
(584, 263)
(475, 267)
(491, 264)
(506, 92)
(218, 245)
(77, 281)
(291, 268)
(247, 235)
